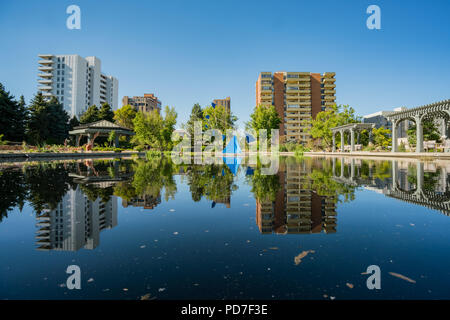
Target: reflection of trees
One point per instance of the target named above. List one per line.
(264, 187)
(323, 184)
(13, 191)
(94, 192)
(148, 180)
(47, 183)
(430, 179)
(214, 182)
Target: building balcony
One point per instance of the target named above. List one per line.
(45, 69)
(45, 88)
(329, 104)
(45, 75)
(45, 81)
(45, 62)
(329, 74)
(308, 79)
(329, 91)
(329, 85)
(329, 80)
(305, 85)
(45, 56)
(266, 91)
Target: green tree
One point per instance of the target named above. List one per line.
(91, 115)
(147, 127)
(125, 116)
(430, 132)
(73, 123)
(320, 127)
(58, 120)
(153, 130)
(112, 137)
(381, 137)
(196, 115)
(264, 117)
(106, 113)
(13, 116)
(169, 122)
(38, 123)
(218, 118)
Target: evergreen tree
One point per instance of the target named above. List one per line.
(73, 123)
(91, 115)
(12, 116)
(106, 113)
(196, 115)
(59, 122)
(38, 122)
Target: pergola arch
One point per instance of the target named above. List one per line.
(352, 128)
(435, 110)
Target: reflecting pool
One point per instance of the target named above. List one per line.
(154, 229)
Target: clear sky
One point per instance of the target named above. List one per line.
(194, 51)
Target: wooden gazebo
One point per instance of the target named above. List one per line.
(99, 128)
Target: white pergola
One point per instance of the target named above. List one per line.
(435, 110)
(353, 128)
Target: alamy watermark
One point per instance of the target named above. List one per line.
(374, 20)
(74, 20)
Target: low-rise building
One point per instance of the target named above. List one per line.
(146, 103)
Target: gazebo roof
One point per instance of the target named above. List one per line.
(101, 126)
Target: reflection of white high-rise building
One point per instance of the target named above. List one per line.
(76, 223)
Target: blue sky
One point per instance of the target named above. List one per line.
(194, 51)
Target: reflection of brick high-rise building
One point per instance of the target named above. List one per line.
(297, 208)
(145, 201)
(297, 96)
(76, 222)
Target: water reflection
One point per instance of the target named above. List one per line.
(75, 201)
(425, 184)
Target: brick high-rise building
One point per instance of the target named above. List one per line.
(297, 96)
(224, 102)
(146, 103)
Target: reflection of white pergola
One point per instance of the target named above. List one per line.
(419, 115)
(353, 128)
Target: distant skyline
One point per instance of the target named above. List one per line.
(196, 51)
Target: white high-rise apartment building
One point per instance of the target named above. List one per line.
(77, 82)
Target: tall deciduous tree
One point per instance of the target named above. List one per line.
(264, 117)
(320, 127)
(125, 116)
(153, 130)
(218, 118)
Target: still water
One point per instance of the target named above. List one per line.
(153, 229)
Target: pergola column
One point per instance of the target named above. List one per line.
(419, 134)
(334, 142)
(342, 140)
(394, 136)
(342, 167)
(352, 139)
(420, 176)
(394, 174)
(334, 166)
